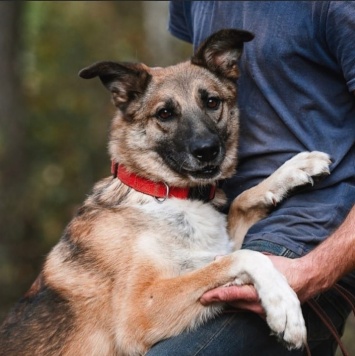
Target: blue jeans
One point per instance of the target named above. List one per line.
(245, 333)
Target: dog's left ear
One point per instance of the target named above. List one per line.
(220, 52)
(126, 81)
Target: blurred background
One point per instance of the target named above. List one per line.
(53, 125)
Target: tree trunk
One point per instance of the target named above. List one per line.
(11, 106)
(12, 152)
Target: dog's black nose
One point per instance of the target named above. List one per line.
(205, 150)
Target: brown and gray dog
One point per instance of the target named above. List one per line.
(132, 265)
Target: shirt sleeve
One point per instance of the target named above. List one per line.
(340, 37)
(178, 20)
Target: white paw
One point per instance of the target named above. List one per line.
(296, 172)
(282, 307)
(284, 315)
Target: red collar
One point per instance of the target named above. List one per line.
(161, 190)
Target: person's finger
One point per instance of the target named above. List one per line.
(230, 294)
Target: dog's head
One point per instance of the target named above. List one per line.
(177, 124)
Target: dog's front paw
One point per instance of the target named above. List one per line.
(297, 171)
(284, 316)
(282, 307)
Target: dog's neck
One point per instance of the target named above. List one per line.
(161, 190)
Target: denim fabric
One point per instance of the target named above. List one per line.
(245, 333)
(227, 335)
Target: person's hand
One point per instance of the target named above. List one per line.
(299, 273)
(246, 297)
(241, 297)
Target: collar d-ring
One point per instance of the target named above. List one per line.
(161, 200)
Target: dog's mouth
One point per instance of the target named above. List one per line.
(194, 171)
(208, 172)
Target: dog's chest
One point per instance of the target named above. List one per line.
(188, 233)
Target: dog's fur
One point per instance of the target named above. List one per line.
(129, 270)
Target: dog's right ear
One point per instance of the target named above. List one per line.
(126, 81)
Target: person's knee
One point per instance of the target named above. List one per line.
(229, 334)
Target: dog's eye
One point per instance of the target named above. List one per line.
(164, 114)
(213, 103)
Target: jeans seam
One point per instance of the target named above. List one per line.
(269, 247)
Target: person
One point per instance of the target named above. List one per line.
(296, 93)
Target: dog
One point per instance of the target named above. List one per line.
(131, 266)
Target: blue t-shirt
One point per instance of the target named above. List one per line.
(295, 94)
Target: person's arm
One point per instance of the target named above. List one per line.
(308, 275)
(324, 266)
